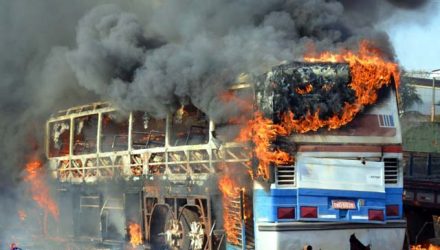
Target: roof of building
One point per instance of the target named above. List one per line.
(423, 78)
(423, 81)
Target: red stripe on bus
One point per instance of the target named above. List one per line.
(392, 149)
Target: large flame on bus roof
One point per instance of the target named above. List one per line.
(369, 73)
(39, 190)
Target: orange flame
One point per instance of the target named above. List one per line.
(38, 188)
(426, 247)
(369, 70)
(228, 187)
(135, 233)
(307, 89)
(229, 191)
(369, 73)
(262, 132)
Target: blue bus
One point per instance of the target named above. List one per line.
(344, 190)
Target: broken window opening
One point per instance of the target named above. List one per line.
(88, 222)
(189, 126)
(114, 133)
(84, 137)
(112, 218)
(147, 132)
(59, 134)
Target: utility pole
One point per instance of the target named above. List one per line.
(433, 100)
(433, 94)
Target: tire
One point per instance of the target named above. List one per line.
(188, 216)
(159, 219)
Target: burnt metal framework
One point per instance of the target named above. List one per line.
(176, 162)
(187, 166)
(241, 219)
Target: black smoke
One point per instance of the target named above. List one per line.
(409, 4)
(200, 47)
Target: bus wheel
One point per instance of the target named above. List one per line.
(160, 216)
(186, 232)
(193, 229)
(174, 234)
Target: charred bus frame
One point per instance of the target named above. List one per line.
(173, 180)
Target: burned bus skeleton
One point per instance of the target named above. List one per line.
(164, 174)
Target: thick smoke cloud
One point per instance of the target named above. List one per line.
(192, 50)
(409, 4)
(34, 82)
(152, 56)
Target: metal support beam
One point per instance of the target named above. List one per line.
(98, 134)
(72, 128)
(130, 130)
(429, 170)
(433, 100)
(168, 129)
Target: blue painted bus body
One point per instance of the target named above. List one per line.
(266, 204)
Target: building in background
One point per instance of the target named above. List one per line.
(421, 133)
(422, 82)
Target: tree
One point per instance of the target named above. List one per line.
(408, 94)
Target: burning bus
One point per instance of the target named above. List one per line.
(316, 164)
